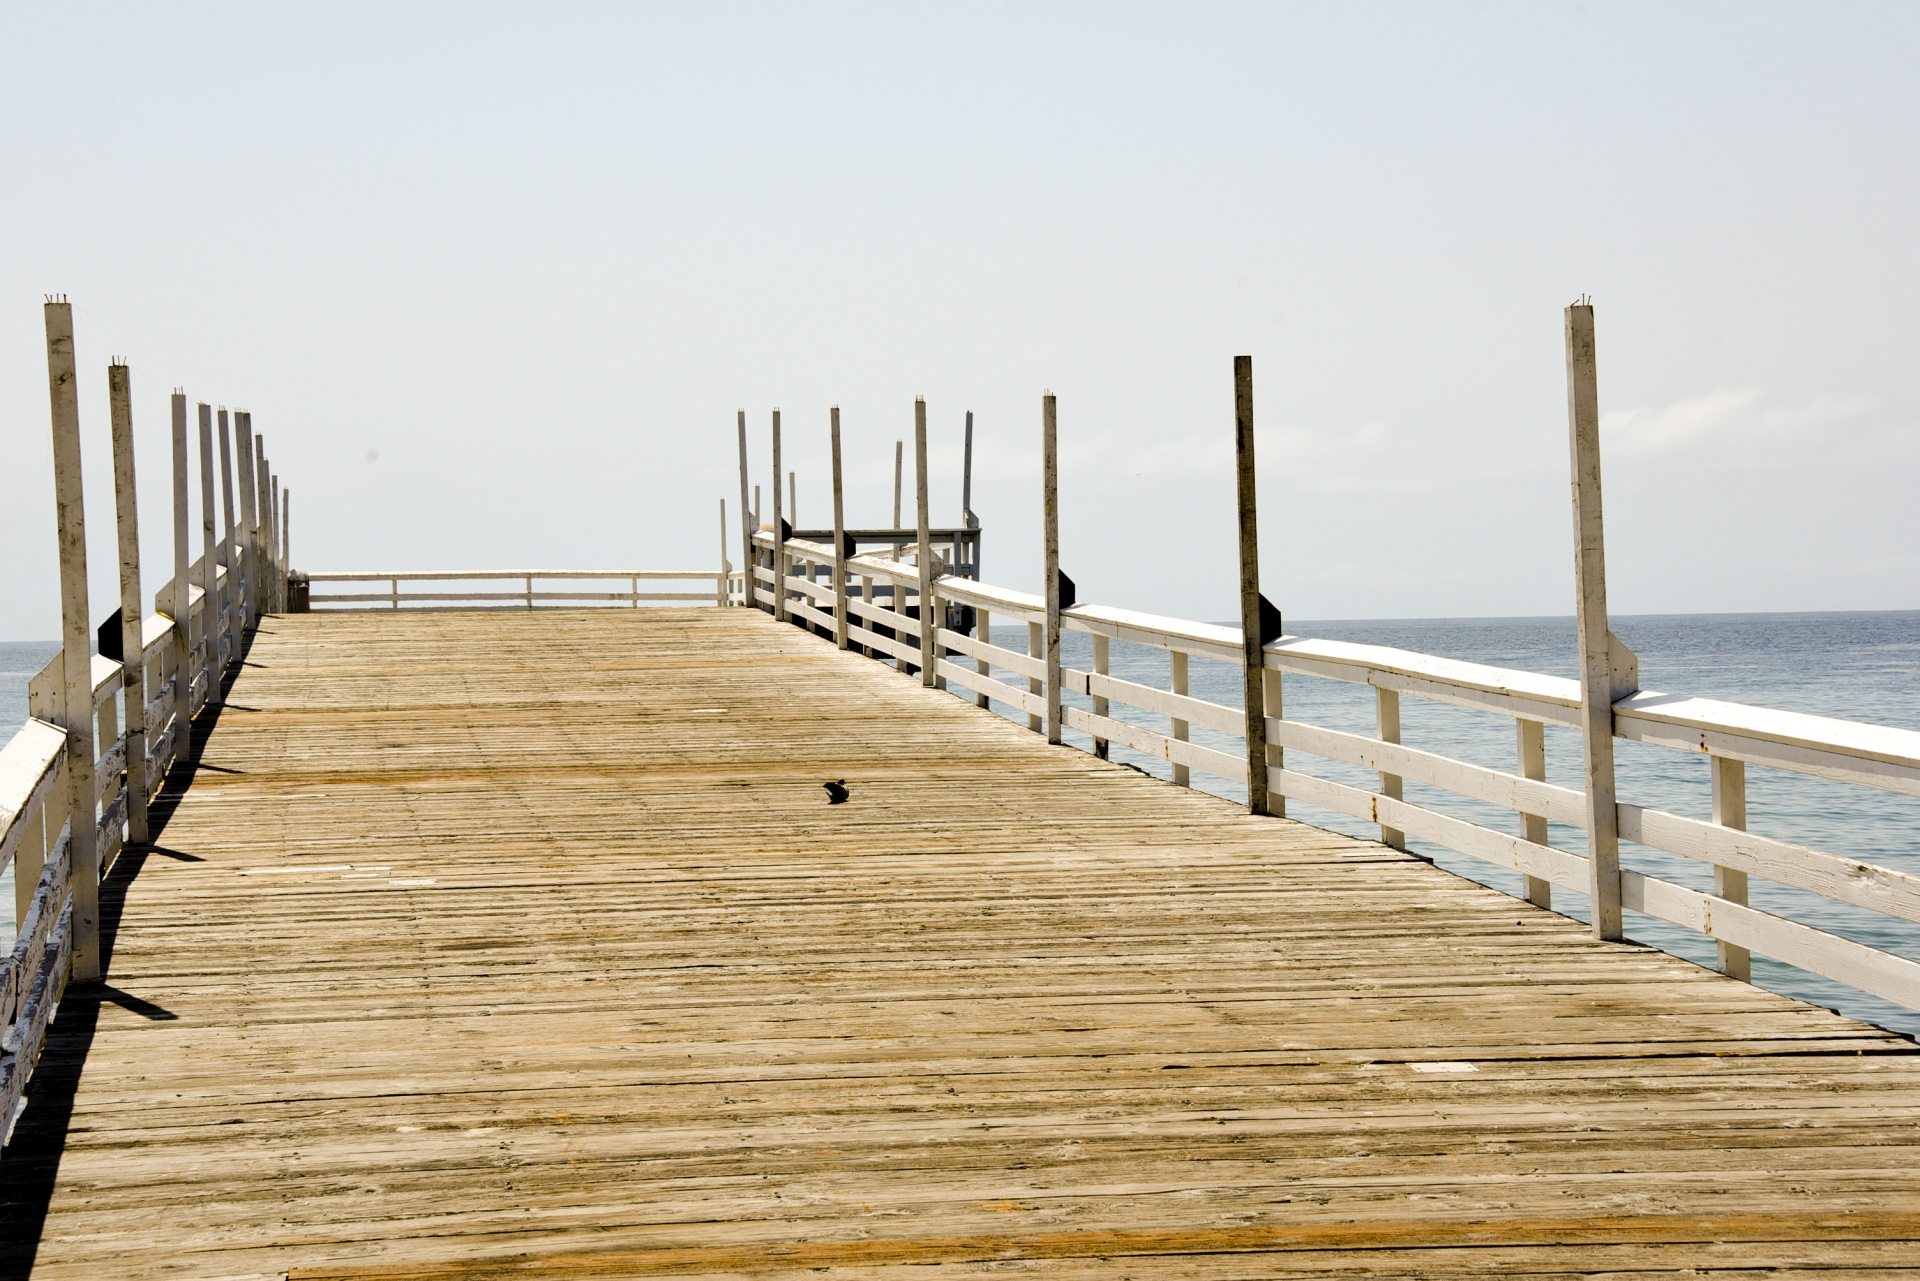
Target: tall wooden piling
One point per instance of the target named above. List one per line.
(247, 536)
(1252, 620)
(779, 537)
(929, 615)
(839, 538)
(180, 592)
(76, 640)
(212, 632)
(263, 529)
(1597, 661)
(748, 594)
(1050, 519)
(1531, 742)
(133, 668)
(229, 545)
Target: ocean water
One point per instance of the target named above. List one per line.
(1857, 666)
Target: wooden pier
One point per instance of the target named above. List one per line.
(495, 923)
(526, 945)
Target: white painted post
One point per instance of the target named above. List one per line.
(1177, 660)
(247, 541)
(76, 640)
(1600, 672)
(1386, 706)
(179, 600)
(983, 630)
(1101, 748)
(929, 607)
(779, 540)
(212, 634)
(839, 538)
(1730, 810)
(1252, 621)
(748, 587)
(1532, 737)
(229, 549)
(133, 666)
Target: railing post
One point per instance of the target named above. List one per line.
(1730, 810)
(983, 632)
(1607, 671)
(1532, 737)
(1036, 648)
(724, 587)
(529, 577)
(839, 538)
(748, 592)
(924, 554)
(76, 641)
(899, 447)
(1177, 682)
(1101, 707)
(1252, 615)
(213, 639)
(180, 598)
(779, 536)
(1386, 706)
(229, 550)
(393, 590)
(133, 662)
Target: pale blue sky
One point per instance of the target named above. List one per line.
(536, 256)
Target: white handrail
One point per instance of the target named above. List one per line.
(1875, 756)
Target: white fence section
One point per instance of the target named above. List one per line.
(881, 597)
(523, 588)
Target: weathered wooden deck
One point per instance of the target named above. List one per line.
(510, 945)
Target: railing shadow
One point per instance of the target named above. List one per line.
(30, 1166)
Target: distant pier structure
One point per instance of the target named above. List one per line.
(494, 923)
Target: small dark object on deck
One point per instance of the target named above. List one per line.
(836, 792)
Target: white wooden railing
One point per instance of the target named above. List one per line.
(106, 729)
(531, 588)
(881, 599)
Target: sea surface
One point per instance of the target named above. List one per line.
(1856, 666)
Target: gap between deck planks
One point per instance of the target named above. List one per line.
(500, 945)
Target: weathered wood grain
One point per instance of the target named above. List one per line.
(509, 945)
